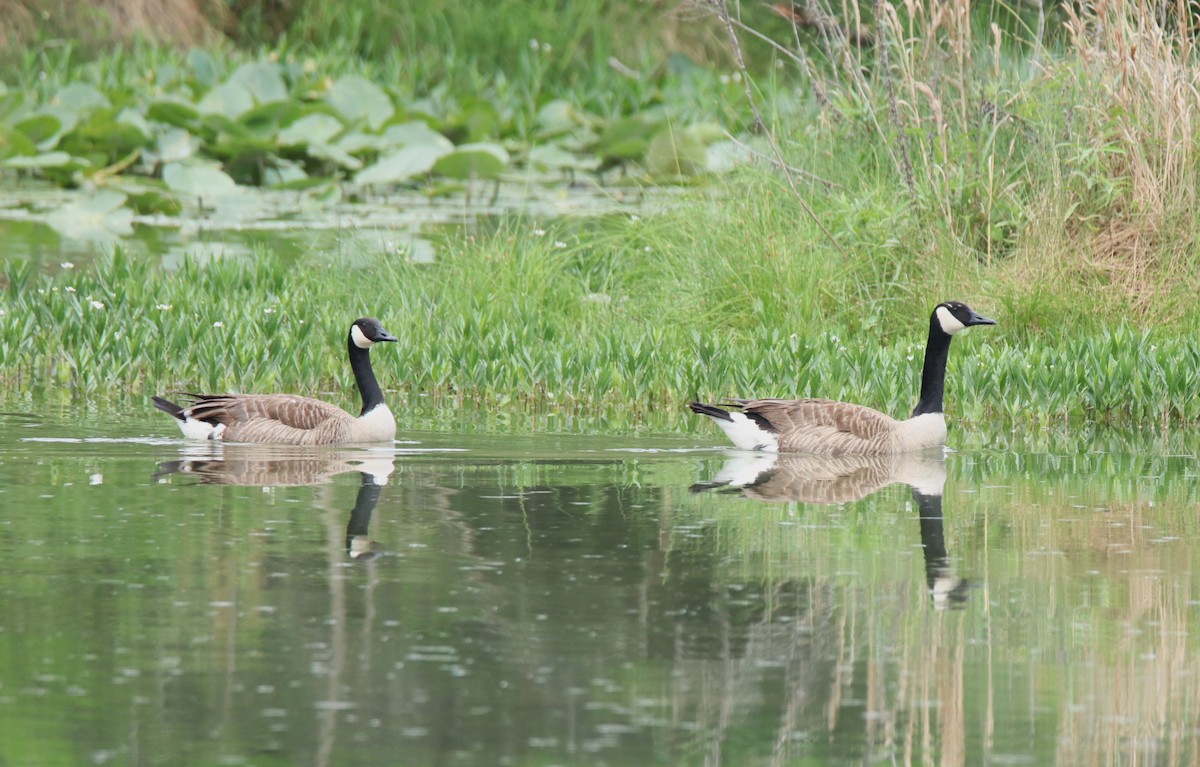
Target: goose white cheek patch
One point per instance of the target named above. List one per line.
(950, 324)
(360, 340)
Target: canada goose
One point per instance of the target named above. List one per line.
(289, 419)
(839, 428)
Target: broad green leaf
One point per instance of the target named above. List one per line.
(203, 66)
(334, 155)
(312, 128)
(264, 120)
(479, 119)
(626, 139)
(283, 172)
(357, 141)
(100, 217)
(676, 153)
(12, 105)
(416, 132)
(403, 164)
(724, 156)
(198, 180)
(262, 81)
(551, 157)
(13, 142)
(80, 98)
(556, 118)
(356, 98)
(47, 160)
(473, 161)
(134, 119)
(174, 113)
(39, 127)
(228, 99)
(174, 145)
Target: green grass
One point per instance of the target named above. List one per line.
(626, 319)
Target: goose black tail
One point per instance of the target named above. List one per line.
(712, 411)
(168, 407)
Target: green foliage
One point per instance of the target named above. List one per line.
(528, 320)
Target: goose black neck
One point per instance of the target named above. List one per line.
(933, 375)
(364, 376)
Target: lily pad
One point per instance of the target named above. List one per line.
(203, 66)
(198, 180)
(47, 160)
(175, 113)
(175, 145)
(403, 164)
(81, 98)
(333, 154)
(414, 132)
(473, 161)
(102, 217)
(312, 128)
(262, 81)
(13, 142)
(229, 99)
(356, 98)
(676, 153)
(551, 157)
(40, 127)
(556, 118)
(626, 139)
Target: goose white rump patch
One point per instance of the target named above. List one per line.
(747, 434)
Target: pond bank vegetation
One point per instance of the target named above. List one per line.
(1039, 164)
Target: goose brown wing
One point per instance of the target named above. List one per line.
(302, 413)
(823, 425)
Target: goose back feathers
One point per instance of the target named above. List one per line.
(841, 428)
(290, 419)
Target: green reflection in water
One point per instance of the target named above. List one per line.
(489, 599)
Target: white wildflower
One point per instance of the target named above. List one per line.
(269, 310)
(218, 324)
(67, 265)
(647, 248)
(96, 479)
(69, 289)
(634, 218)
(164, 307)
(560, 244)
(97, 304)
(534, 44)
(539, 232)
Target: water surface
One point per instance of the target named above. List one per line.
(484, 599)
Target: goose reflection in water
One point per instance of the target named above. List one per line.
(779, 478)
(258, 466)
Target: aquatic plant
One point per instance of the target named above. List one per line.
(530, 323)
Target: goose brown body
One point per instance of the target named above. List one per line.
(290, 419)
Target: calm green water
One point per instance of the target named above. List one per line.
(524, 600)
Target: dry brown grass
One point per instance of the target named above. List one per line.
(101, 22)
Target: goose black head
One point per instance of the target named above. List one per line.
(953, 316)
(366, 331)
